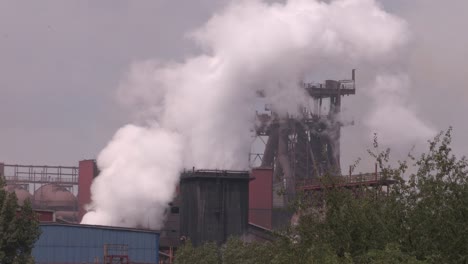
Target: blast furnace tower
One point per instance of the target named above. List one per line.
(304, 147)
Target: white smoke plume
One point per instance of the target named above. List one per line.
(393, 119)
(129, 165)
(199, 112)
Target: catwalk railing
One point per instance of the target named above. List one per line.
(21, 174)
(369, 179)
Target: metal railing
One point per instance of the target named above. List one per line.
(357, 179)
(18, 174)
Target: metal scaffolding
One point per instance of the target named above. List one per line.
(304, 146)
(30, 174)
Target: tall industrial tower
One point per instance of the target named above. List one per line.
(305, 146)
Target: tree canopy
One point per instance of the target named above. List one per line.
(19, 229)
(422, 218)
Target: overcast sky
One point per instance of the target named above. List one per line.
(62, 61)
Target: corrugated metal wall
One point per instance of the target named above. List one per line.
(214, 205)
(60, 243)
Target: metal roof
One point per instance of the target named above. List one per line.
(102, 227)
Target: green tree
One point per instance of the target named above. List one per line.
(437, 205)
(425, 216)
(237, 251)
(19, 229)
(390, 255)
(205, 254)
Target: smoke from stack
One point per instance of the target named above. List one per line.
(200, 112)
(392, 117)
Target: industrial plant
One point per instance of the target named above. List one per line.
(210, 205)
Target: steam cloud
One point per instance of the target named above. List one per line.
(199, 112)
(395, 122)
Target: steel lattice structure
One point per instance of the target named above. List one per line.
(305, 146)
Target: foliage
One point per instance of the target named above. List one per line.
(422, 218)
(206, 254)
(390, 255)
(19, 229)
(236, 251)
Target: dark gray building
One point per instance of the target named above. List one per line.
(214, 205)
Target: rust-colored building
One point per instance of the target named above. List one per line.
(261, 197)
(87, 172)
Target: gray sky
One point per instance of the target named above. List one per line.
(61, 62)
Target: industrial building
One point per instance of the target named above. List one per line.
(63, 189)
(210, 205)
(214, 205)
(72, 243)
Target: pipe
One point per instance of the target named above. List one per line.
(353, 76)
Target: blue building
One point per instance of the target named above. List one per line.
(70, 244)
